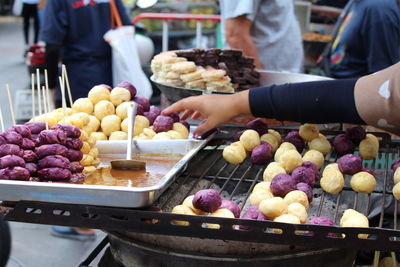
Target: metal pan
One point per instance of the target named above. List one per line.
(113, 196)
(267, 78)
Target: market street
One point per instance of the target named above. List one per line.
(32, 245)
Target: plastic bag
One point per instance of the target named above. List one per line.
(125, 60)
(17, 7)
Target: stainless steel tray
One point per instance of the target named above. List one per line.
(267, 78)
(113, 196)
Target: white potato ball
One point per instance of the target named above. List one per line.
(121, 110)
(308, 132)
(79, 119)
(83, 105)
(297, 196)
(94, 124)
(276, 134)
(182, 209)
(234, 154)
(320, 144)
(331, 166)
(119, 95)
(369, 147)
(162, 136)
(110, 123)
(250, 139)
(363, 182)
(225, 213)
(118, 135)
(273, 207)
(141, 122)
(273, 169)
(262, 186)
(352, 218)
(84, 135)
(270, 139)
(257, 196)
(287, 218)
(315, 157)
(396, 176)
(98, 93)
(290, 160)
(149, 133)
(180, 128)
(68, 111)
(396, 191)
(287, 146)
(175, 135)
(103, 108)
(298, 210)
(99, 136)
(332, 181)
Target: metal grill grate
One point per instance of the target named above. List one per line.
(209, 170)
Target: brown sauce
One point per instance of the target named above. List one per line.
(156, 168)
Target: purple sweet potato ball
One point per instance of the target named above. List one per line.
(27, 144)
(18, 173)
(31, 167)
(77, 177)
(174, 116)
(252, 213)
(294, 138)
(350, 164)
(53, 149)
(304, 175)
(54, 174)
(139, 109)
(232, 206)
(52, 137)
(163, 124)
(258, 125)
(12, 137)
(144, 102)
(4, 174)
(10, 149)
(306, 188)
(369, 171)
(74, 155)
(29, 156)
(11, 161)
(76, 167)
(35, 126)
(23, 130)
(186, 124)
(70, 130)
(127, 85)
(237, 136)
(105, 86)
(356, 134)
(261, 154)
(314, 167)
(282, 184)
(54, 161)
(208, 200)
(155, 110)
(2, 140)
(150, 116)
(74, 143)
(321, 221)
(343, 145)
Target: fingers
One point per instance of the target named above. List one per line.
(197, 116)
(204, 127)
(186, 114)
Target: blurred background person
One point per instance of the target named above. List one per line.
(266, 30)
(366, 39)
(29, 11)
(73, 32)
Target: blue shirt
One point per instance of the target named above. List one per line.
(368, 39)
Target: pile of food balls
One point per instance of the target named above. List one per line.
(29, 152)
(396, 179)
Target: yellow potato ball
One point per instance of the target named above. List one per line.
(363, 182)
(149, 133)
(162, 136)
(68, 111)
(83, 105)
(118, 135)
(225, 213)
(297, 196)
(94, 123)
(250, 139)
(315, 157)
(94, 152)
(276, 134)
(51, 119)
(290, 160)
(121, 110)
(99, 93)
(87, 160)
(84, 135)
(287, 146)
(273, 207)
(262, 186)
(332, 181)
(92, 141)
(308, 132)
(331, 166)
(79, 119)
(257, 196)
(396, 176)
(180, 128)
(99, 136)
(110, 124)
(103, 108)
(320, 144)
(234, 154)
(119, 95)
(174, 135)
(369, 147)
(298, 210)
(87, 170)
(141, 122)
(270, 139)
(396, 191)
(352, 218)
(273, 169)
(182, 209)
(85, 148)
(287, 218)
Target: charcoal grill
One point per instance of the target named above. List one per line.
(150, 229)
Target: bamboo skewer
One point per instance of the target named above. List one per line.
(63, 102)
(38, 88)
(46, 80)
(45, 108)
(33, 97)
(64, 72)
(10, 104)
(1, 120)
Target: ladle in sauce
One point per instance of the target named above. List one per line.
(129, 163)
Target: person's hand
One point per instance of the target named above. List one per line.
(215, 109)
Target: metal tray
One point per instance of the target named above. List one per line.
(267, 78)
(113, 196)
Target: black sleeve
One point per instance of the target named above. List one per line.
(314, 102)
(52, 57)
